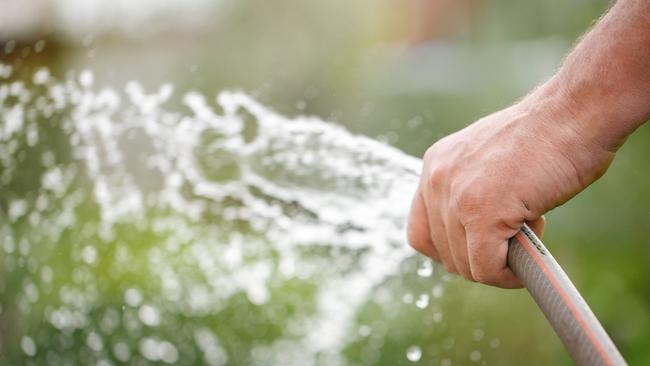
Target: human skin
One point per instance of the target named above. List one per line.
(481, 184)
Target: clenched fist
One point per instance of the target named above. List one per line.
(481, 184)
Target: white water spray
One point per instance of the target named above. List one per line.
(181, 211)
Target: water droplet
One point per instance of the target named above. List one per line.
(414, 353)
(149, 349)
(422, 301)
(213, 352)
(364, 330)
(149, 315)
(301, 105)
(122, 351)
(41, 76)
(46, 274)
(10, 46)
(94, 341)
(28, 346)
(475, 356)
(426, 269)
(155, 350)
(478, 334)
(39, 46)
(5, 71)
(17, 209)
(437, 291)
(86, 78)
(133, 297)
(168, 352)
(437, 317)
(89, 254)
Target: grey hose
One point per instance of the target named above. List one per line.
(561, 303)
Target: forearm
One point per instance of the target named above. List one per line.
(603, 87)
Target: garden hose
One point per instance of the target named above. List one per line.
(567, 312)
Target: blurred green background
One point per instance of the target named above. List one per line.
(404, 72)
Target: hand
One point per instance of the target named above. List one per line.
(479, 185)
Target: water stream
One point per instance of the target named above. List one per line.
(136, 229)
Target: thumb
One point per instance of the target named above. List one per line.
(488, 250)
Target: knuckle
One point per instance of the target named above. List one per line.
(414, 238)
(436, 170)
(467, 201)
(436, 177)
(468, 276)
(483, 277)
(478, 270)
(487, 277)
(430, 153)
(468, 204)
(450, 268)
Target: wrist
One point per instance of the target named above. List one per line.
(571, 127)
(581, 113)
